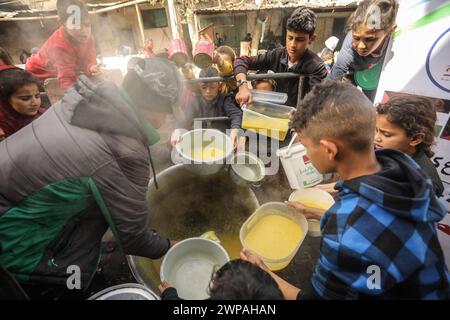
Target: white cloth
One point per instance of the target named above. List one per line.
(332, 42)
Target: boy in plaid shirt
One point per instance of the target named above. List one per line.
(379, 239)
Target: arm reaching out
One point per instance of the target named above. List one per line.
(290, 292)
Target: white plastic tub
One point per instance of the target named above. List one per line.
(274, 208)
(298, 168)
(315, 196)
(267, 119)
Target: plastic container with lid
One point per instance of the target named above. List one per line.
(269, 96)
(272, 209)
(298, 168)
(316, 198)
(267, 119)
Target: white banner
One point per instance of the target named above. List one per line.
(418, 62)
(418, 58)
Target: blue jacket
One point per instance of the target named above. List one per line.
(379, 240)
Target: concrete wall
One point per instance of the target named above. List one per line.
(24, 35)
(107, 29)
(275, 24)
(325, 29)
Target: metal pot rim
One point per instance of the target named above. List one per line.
(247, 154)
(184, 242)
(228, 148)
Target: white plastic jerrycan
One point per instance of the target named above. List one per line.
(298, 167)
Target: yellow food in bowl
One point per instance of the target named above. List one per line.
(272, 127)
(314, 204)
(274, 237)
(207, 154)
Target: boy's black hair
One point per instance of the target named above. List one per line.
(13, 79)
(302, 20)
(4, 55)
(62, 5)
(414, 114)
(209, 72)
(242, 280)
(337, 110)
(271, 81)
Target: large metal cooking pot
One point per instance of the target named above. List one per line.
(187, 205)
(127, 291)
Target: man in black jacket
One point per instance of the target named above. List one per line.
(295, 57)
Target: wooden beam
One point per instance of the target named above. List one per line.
(141, 24)
(114, 7)
(173, 19)
(118, 6)
(29, 18)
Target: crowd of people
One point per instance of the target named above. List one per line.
(71, 171)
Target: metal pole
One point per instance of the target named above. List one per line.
(301, 82)
(173, 19)
(141, 24)
(283, 75)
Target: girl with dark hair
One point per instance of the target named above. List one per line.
(20, 100)
(406, 123)
(371, 27)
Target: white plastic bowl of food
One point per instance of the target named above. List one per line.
(316, 198)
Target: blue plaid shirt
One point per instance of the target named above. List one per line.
(380, 239)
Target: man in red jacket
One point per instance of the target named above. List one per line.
(70, 50)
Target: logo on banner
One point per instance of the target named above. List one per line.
(437, 64)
